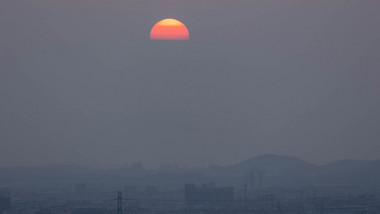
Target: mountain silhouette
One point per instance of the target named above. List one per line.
(279, 170)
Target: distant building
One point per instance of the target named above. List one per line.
(254, 179)
(207, 192)
(44, 211)
(90, 211)
(130, 191)
(5, 200)
(80, 187)
(151, 191)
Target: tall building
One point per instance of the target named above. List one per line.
(5, 200)
(207, 192)
(254, 179)
(80, 187)
(130, 191)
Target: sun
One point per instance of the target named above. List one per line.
(169, 29)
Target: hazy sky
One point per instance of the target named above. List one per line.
(81, 83)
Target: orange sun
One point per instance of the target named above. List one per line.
(169, 29)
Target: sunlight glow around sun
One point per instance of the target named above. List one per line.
(169, 29)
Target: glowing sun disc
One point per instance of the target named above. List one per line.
(169, 29)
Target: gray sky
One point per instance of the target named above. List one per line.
(81, 83)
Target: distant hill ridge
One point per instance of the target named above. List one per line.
(279, 170)
(270, 163)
